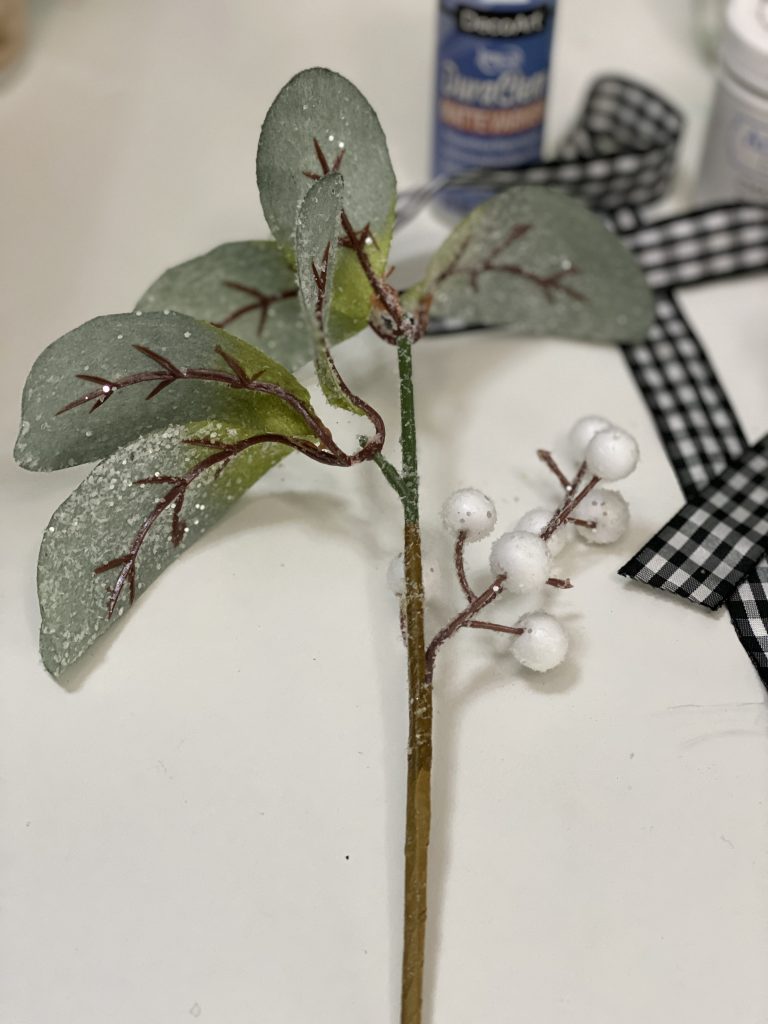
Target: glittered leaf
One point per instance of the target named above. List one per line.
(317, 229)
(108, 353)
(321, 123)
(539, 261)
(245, 287)
(105, 531)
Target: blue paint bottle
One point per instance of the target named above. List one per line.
(492, 71)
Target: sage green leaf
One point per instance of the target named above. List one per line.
(319, 123)
(539, 261)
(100, 522)
(104, 350)
(245, 287)
(317, 230)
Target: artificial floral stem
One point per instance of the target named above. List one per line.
(418, 812)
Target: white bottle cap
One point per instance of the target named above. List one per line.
(744, 49)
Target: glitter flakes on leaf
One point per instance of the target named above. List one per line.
(100, 520)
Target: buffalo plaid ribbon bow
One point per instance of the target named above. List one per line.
(713, 551)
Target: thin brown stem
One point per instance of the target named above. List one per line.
(458, 560)
(560, 584)
(549, 461)
(580, 474)
(495, 626)
(480, 601)
(563, 513)
(588, 524)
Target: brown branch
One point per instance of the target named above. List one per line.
(549, 461)
(561, 516)
(588, 524)
(480, 601)
(458, 561)
(580, 473)
(495, 626)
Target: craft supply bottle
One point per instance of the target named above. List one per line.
(735, 161)
(492, 70)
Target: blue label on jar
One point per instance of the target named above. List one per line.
(492, 67)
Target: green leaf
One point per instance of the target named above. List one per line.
(246, 288)
(100, 522)
(104, 349)
(320, 122)
(539, 261)
(317, 230)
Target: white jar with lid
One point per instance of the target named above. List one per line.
(735, 161)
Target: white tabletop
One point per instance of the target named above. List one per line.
(207, 820)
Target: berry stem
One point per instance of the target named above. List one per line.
(458, 559)
(563, 514)
(464, 618)
(549, 461)
(495, 626)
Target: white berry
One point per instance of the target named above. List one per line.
(608, 511)
(582, 432)
(612, 454)
(542, 645)
(396, 575)
(471, 512)
(536, 522)
(525, 560)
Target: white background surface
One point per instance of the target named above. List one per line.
(207, 823)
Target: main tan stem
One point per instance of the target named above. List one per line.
(418, 811)
(418, 793)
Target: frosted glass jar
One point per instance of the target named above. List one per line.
(735, 160)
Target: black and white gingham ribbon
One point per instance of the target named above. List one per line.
(621, 152)
(709, 546)
(713, 551)
(621, 156)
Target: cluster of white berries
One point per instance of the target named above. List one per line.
(525, 559)
(521, 559)
(609, 453)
